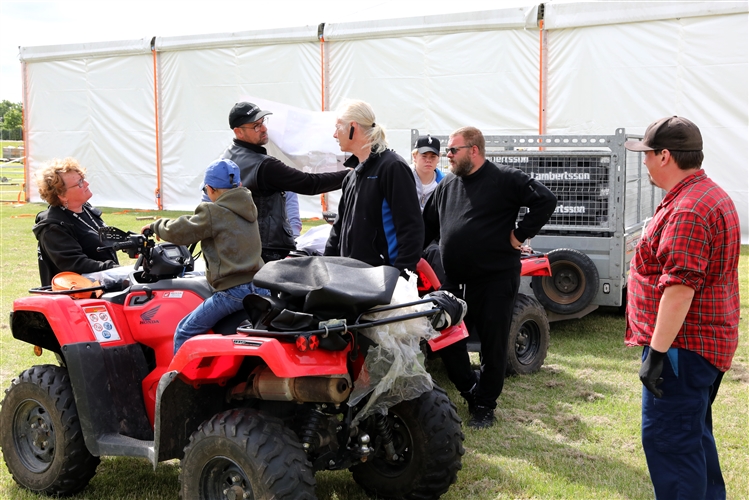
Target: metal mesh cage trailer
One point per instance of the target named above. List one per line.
(604, 198)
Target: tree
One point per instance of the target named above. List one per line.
(12, 119)
(11, 115)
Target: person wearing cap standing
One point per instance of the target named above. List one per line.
(378, 221)
(227, 229)
(683, 308)
(268, 178)
(426, 159)
(473, 214)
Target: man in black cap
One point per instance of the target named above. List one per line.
(683, 309)
(268, 178)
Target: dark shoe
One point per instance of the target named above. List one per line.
(482, 417)
(470, 396)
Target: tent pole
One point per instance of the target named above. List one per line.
(157, 192)
(25, 131)
(320, 31)
(542, 61)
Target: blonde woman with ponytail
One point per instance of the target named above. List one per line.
(379, 218)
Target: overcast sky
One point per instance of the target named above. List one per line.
(31, 23)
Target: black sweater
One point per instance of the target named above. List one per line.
(68, 244)
(379, 219)
(472, 218)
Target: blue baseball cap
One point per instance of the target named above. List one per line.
(222, 174)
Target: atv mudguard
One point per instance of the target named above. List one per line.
(52, 321)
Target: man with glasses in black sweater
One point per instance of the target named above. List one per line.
(473, 214)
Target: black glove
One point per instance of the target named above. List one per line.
(650, 371)
(453, 309)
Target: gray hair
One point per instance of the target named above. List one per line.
(363, 114)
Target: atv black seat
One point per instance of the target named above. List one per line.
(330, 286)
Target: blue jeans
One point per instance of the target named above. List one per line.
(207, 314)
(677, 430)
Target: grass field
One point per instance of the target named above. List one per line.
(571, 431)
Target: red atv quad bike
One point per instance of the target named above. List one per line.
(252, 409)
(529, 330)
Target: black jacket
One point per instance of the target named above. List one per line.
(472, 217)
(268, 179)
(379, 218)
(67, 244)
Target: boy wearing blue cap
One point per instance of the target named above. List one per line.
(227, 230)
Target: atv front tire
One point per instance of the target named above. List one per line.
(428, 442)
(528, 342)
(41, 435)
(245, 454)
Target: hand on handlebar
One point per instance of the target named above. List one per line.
(147, 231)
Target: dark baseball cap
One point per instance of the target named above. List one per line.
(427, 144)
(245, 112)
(673, 133)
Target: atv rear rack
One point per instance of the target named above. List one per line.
(340, 326)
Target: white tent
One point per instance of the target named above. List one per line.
(146, 116)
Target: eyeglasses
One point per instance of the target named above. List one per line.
(455, 150)
(79, 184)
(205, 189)
(257, 125)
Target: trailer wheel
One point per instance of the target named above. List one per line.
(41, 436)
(245, 454)
(572, 285)
(529, 337)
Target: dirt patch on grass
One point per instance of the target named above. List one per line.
(739, 373)
(589, 396)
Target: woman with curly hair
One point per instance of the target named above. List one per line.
(68, 231)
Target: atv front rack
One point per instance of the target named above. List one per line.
(73, 291)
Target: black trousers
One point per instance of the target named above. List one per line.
(490, 305)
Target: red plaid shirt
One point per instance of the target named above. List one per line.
(694, 240)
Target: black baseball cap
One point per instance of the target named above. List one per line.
(673, 133)
(427, 144)
(245, 112)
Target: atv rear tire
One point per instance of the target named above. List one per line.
(41, 436)
(573, 283)
(528, 341)
(245, 454)
(429, 443)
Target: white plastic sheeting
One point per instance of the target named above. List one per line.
(608, 65)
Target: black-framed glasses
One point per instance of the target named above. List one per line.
(455, 149)
(256, 126)
(205, 189)
(80, 183)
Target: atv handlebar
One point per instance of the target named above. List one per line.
(131, 243)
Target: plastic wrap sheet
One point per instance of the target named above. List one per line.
(393, 370)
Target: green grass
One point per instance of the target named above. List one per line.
(571, 431)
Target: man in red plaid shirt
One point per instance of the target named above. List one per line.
(683, 307)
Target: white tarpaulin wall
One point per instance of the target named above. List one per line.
(602, 77)
(95, 103)
(606, 65)
(203, 77)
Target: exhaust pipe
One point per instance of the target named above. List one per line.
(263, 384)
